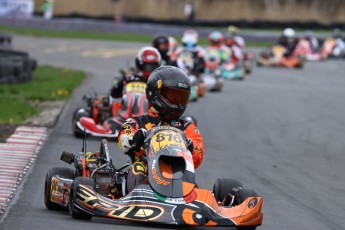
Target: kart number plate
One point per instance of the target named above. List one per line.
(136, 87)
(166, 138)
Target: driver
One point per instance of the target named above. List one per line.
(147, 60)
(167, 92)
(289, 41)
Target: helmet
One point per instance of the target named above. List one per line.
(161, 43)
(191, 32)
(233, 30)
(229, 40)
(147, 60)
(337, 33)
(168, 89)
(190, 39)
(216, 38)
(289, 33)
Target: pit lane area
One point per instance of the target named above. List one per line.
(281, 132)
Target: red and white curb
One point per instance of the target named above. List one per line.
(17, 155)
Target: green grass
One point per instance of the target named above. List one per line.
(78, 34)
(17, 101)
(108, 36)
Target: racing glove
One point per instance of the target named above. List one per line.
(138, 139)
(190, 145)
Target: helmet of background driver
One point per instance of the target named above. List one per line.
(216, 39)
(289, 33)
(161, 43)
(147, 60)
(190, 39)
(168, 89)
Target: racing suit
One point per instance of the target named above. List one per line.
(132, 104)
(138, 172)
(289, 43)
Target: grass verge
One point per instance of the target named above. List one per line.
(108, 36)
(20, 101)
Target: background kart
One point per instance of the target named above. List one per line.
(171, 195)
(232, 71)
(102, 108)
(333, 48)
(274, 57)
(98, 108)
(303, 49)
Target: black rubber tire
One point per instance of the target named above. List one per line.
(76, 116)
(63, 172)
(243, 194)
(247, 228)
(224, 186)
(240, 197)
(74, 211)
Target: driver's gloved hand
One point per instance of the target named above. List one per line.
(138, 139)
(190, 145)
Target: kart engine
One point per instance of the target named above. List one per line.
(104, 179)
(104, 182)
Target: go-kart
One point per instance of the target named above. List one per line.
(303, 48)
(212, 73)
(185, 61)
(233, 71)
(105, 108)
(274, 57)
(98, 108)
(170, 195)
(333, 48)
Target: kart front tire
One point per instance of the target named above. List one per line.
(76, 212)
(244, 193)
(223, 186)
(78, 113)
(240, 197)
(63, 172)
(247, 228)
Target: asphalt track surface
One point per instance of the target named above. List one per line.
(281, 132)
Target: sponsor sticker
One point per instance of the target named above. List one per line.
(252, 203)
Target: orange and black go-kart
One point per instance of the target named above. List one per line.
(170, 195)
(274, 57)
(96, 166)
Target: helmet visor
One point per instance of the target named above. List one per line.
(163, 46)
(175, 96)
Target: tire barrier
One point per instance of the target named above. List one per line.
(15, 66)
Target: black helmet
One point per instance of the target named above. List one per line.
(168, 90)
(161, 43)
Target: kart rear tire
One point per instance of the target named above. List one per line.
(63, 172)
(74, 211)
(76, 116)
(223, 186)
